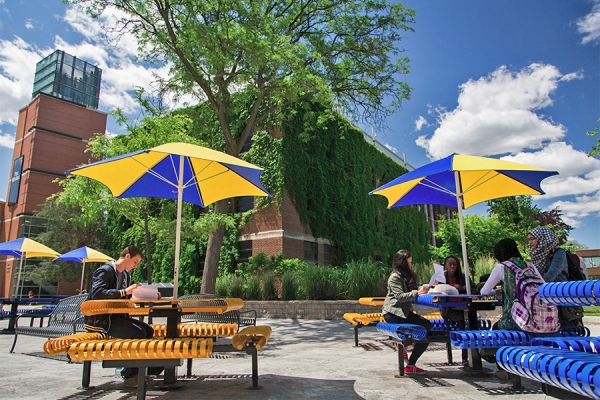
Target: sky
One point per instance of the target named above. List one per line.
(514, 79)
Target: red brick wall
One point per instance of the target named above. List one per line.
(45, 150)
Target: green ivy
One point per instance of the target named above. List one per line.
(329, 169)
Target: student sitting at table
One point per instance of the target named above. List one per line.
(113, 281)
(402, 290)
(455, 277)
(504, 250)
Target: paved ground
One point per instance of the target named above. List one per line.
(304, 359)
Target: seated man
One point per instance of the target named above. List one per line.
(113, 281)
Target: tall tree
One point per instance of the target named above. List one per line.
(271, 54)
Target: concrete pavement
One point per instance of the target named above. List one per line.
(304, 359)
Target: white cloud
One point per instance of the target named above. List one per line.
(501, 105)
(579, 176)
(7, 140)
(29, 24)
(391, 148)
(589, 25)
(121, 71)
(574, 212)
(17, 68)
(420, 122)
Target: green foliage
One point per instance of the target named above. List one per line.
(482, 233)
(365, 279)
(253, 291)
(483, 265)
(424, 272)
(236, 287)
(319, 283)
(222, 285)
(269, 291)
(329, 169)
(64, 236)
(289, 286)
(595, 148)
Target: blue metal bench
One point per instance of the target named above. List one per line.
(574, 293)
(405, 334)
(576, 372)
(498, 338)
(584, 344)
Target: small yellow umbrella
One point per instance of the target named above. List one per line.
(82, 255)
(25, 248)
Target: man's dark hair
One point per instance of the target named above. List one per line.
(132, 251)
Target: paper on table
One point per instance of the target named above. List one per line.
(438, 274)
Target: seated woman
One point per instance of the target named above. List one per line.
(402, 290)
(551, 261)
(455, 278)
(504, 250)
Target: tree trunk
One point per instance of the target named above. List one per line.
(213, 252)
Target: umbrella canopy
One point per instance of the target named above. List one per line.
(25, 248)
(82, 255)
(462, 181)
(181, 171)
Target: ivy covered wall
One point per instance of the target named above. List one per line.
(328, 169)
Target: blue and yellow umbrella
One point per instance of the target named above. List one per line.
(180, 171)
(82, 255)
(462, 181)
(25, 248)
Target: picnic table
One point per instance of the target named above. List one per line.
(172, 342)
(14, 311)
(471, 305)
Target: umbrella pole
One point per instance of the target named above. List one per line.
(461, 223)
(19, 286)
(178, 228)
(82, 273)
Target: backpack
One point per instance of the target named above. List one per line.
(575, 271)
(528, 311)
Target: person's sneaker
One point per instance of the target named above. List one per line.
(413, 369)
(502, 374)
(131, 382)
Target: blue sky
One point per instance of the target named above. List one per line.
(513, 79)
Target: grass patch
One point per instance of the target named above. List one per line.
(591, 311)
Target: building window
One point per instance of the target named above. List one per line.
(310, 251)
(245, 251)
(33, 226)
(244, 204)
(326, 254)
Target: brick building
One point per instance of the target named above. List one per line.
(51, 137)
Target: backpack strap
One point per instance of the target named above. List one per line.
(511, 266)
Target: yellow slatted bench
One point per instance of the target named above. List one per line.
(188, 341)
(371, 319)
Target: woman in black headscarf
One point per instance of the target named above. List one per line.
(504, 250)
(397, 308)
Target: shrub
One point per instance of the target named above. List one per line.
(365, 279)
(253, 291)
(288, 265)
(236, 287)
(319, 283)
(483, 265)
(222, 285)
(289, 286)
(424, 271)
(268, 286)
